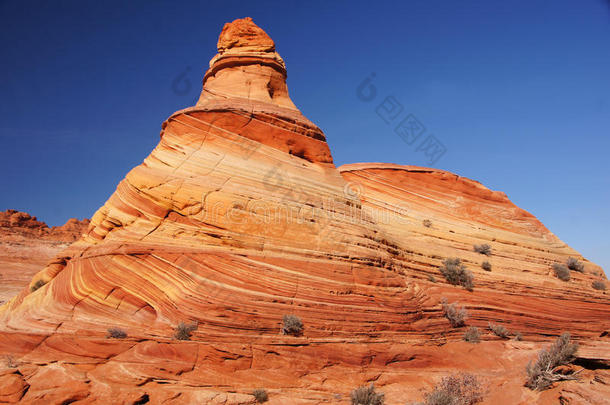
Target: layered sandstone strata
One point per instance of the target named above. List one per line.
(238, 217)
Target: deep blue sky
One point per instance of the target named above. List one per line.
(517, 91)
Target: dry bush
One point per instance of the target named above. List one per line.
(456, 316)
(37, 285)
(541, 374)
(431, 278)
(10, 361)
(292, 325)
(367, 395)
(427, 223)
(562, 272)
(499, 330)
(517, 336)
(260, 395)
(456, 273)
(486, 266)
(184, 331)
(457, 389)
(116, 333)
(472, 335)
(483, 249)
(599, 285)
(575, 264)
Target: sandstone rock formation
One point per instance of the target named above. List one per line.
(26, 245)
(16, 225)
(239, 217)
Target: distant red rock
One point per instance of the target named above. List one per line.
(27, 244)
(16, 224)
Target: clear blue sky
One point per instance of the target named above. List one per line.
(518, 92)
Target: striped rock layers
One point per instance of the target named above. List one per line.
(239, 217)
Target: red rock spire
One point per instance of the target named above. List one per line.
(247, 67)
(243, 33)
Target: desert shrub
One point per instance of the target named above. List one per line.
(431, 278)
(517, 336)
(10, 361)
(499, 330)
(486, 266)
(427, 223)
(184, 331)
(561, 271)
(542, 373)
(472, 335)
(37, 285)
(116, 333)
(599, 285)
(456, 315)
(575, 264)
(292, 325)
(457, 389)
(483, 249)
(367, 395)
(456, 273)
(260, 395)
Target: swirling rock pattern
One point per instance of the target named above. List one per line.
(238, 217)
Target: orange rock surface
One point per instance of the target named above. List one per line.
(27, 244)
(239, 217)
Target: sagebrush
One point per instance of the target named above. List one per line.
(456, 315)
(562, 272)
(260, 395)
(486, 266)
(457, 389)
(472, 335)
(542, 373)
(184, 331)
(116, 333)
(427, 223)
(499, 330)
(10, 361)
(575, 264)
(456, 273)
(599, 285)
(367, 395)
(483, 249)
(292, 325)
